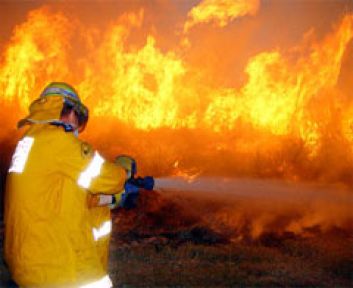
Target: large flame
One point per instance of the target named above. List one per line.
(34, 55)
(220, 11)
(289, 115)
(199, 89)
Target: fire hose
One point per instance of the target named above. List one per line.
(132, 186)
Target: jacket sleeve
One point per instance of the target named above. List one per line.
(89, 169)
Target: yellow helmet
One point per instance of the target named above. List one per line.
(48, 107)
(71, 98)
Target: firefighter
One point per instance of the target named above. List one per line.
(50, 236)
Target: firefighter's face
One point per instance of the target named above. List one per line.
(71, 119)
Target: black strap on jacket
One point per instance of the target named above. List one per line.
(67, 127)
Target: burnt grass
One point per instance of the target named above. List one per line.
(295, 263)
(162, 244)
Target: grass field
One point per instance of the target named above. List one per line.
(322, 261)
(178, 240)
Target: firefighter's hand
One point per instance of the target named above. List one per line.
(130, 196)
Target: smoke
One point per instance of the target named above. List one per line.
(215, 210)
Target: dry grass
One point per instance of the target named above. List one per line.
(271, 261)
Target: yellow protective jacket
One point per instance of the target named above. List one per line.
(50, 238)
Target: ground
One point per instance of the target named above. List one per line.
(271, 262)
(164, 244)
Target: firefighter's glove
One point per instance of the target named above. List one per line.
(96, 200)
(130, 196)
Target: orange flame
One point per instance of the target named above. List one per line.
(221, 12)
(283, 119)
(34, 55)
